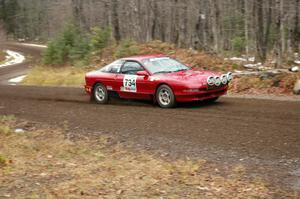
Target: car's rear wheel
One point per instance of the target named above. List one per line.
(165, 97)
(100, 94)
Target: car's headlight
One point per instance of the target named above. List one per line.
(229, 76)
(217, 81)
(211, 81)
(224, 79)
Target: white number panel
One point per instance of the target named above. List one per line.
(129, 83)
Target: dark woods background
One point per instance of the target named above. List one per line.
(260, 27)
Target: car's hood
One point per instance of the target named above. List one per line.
(194, 77)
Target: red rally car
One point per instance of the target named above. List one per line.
(155, 77)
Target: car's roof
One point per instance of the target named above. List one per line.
(142, 57)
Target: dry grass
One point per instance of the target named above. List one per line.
(281, 84)
(48, 76)
(2, 56)
(43, 163)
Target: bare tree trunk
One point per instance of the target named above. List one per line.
(78, 13)
(175, 23)
(2, 31)
(263, 31)
(115, 20)
(154, 20)
(282, 27)
(296, 29)
(258, 7)
(246, 26)
(183, 36)
(279, 28)
(214, 14)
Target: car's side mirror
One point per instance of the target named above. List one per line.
(143, 73)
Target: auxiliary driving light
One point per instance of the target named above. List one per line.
(224, 79)
(217, 81)
(211, 81)
(229, 76)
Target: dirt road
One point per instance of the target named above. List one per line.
(33, 55)
(263, 134)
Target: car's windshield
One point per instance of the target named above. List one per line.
(163, 65)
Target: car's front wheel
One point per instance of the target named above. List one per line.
(165, 97)
(100, 94)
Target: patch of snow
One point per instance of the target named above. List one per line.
(13, 58)
(35, 45)
(297, 61)
(236, 59)
(253, 65)
(7, 195)
(264, 68)
(294, 69)
(43, 174)
(252, 59)
(238, 71)
(203, 188)
(241, 59)
(16, 80)
(19, 131)
(243, 73)
(202, 16)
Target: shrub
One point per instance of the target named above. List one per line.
(71, 45)
(3, 161)
(126, 48)
(2, 56)
(4, 130)
(100, 38)
(238, 44)
(80, 52)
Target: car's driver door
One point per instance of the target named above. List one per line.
(130, 85)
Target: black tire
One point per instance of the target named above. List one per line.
(100, 94)
(165, 97)
(212, 100)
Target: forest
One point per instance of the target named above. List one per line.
(250, 27)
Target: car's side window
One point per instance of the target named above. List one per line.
(113, 67)
(131, 68)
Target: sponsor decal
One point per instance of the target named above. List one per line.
(153, 79)
(109, 88)
(129, 83)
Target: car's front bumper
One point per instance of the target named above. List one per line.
(201, 94)
(88, 89)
